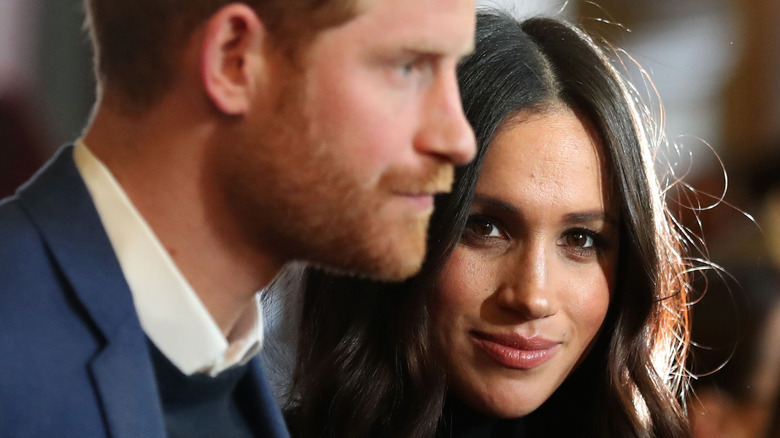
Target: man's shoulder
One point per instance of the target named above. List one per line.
(30, 274)
(39, 310)
(21, 245)
(47, 340)
(31, 283)
(26, 216)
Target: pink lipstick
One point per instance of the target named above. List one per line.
(514, 351)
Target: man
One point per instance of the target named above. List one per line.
(228, 140)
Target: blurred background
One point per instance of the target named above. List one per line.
(714, 64)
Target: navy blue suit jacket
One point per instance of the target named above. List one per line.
(74, 361)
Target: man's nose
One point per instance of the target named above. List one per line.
(446, 132)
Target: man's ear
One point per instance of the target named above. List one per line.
(232, 58)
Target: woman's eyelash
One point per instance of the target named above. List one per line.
(483, 226)
(582, 243)
(591, 238)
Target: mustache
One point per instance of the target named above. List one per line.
(432, 178)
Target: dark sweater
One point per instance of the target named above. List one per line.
(200, 406)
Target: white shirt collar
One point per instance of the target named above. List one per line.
(171, 313)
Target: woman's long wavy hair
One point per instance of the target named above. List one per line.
(364, 364)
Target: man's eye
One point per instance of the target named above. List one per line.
(417, 71)
(406, 68)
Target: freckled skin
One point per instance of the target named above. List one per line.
(537, 259)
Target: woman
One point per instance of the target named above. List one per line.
(553, 298)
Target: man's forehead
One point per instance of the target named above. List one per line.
(433, 26)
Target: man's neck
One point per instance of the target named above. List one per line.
(161, 160)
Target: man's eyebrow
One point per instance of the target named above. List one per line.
(433, 49)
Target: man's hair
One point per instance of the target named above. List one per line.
(138, 43)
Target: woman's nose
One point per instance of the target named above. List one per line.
(527, 288)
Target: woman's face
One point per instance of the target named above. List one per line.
(527, 288)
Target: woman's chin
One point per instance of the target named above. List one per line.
(511, 412)
(506, 408)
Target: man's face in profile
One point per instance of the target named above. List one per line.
(360, 139)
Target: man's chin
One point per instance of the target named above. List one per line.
(393, 265)
(401, 270)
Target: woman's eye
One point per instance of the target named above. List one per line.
(580, 239)
(581, 243)
(483, 227)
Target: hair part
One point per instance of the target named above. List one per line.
(138, 45)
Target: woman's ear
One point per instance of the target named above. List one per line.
(232, 60)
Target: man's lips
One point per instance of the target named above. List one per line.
(421, 193)
(421, 199)
(424, 202)
(515, 351)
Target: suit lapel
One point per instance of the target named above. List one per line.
(59, 204)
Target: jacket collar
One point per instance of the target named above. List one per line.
(58, 203)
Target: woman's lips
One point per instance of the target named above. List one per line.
(517, 352)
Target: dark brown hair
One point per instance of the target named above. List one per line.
(365, 366)
(137, 43)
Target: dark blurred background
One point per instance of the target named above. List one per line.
(715, 65)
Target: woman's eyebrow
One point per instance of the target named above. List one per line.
(495, 203)
(590, 216)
